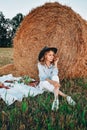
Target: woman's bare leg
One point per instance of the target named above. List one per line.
(56, 92)
(62, 94)
(55, 104)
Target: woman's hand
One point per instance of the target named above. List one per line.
(56, 61)
(56, 84)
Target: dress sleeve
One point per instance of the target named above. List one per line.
(55, 71)
(42, 75)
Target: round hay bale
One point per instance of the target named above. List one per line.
(8, 69)
(52, 25)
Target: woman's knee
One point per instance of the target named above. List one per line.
(55, 78)
(44, 83)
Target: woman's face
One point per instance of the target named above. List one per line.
(49, 56)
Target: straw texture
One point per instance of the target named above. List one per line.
(52, 25)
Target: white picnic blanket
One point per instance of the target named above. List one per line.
(17, 90)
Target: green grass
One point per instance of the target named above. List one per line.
(6, 56)
(34, 113)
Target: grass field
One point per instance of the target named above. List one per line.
(34, 113)
(6, 56)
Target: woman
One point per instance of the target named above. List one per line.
(48, 75)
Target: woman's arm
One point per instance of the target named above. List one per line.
(56, 61)
(54, 83)
(55, 69)
(42, 75)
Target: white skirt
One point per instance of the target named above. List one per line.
(46, 86)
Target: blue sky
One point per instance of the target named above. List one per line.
(11, 7)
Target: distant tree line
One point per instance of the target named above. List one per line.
(8, 29)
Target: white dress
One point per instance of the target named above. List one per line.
(47, 72)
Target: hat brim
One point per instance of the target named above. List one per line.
(43, 51)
